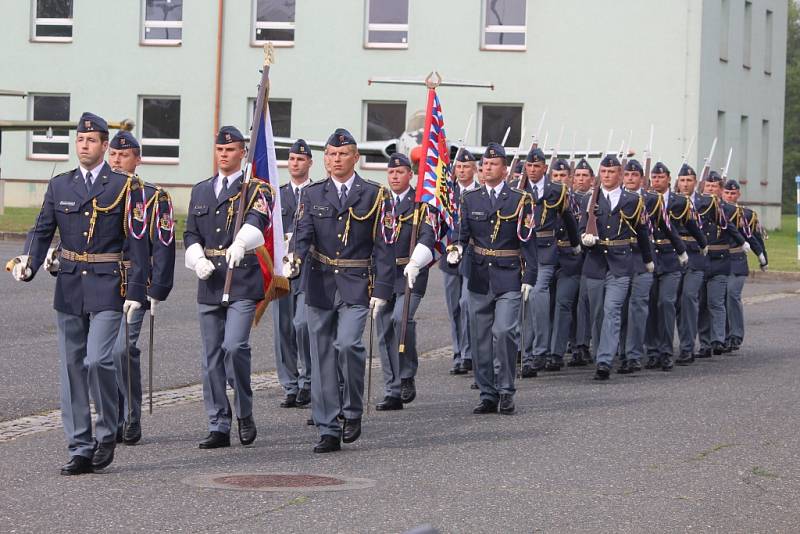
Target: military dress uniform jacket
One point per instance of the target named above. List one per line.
(617, 229)
(552, 210)
(720, 235)
(210, 223)
(288, 214)
(328, 234)
(404, 217)
(746, 221)
(461, 267)
(666, 242)
(569, 263)
(682, 216)
(89, 223)
(490, 270)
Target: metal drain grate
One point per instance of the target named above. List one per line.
(294, 482)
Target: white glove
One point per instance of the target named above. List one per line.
(290, 268)
(51, 262)
(762, 260)
(204, 269)
(589, 240)
(454, 256)
(704, 250)
(248, 238)
(683, 259)
(195, 259)
(576, 251)
(153, 303)
(526, 290)
(129, 307)
(376, 305)
(419, 259)
(746, 247)
(650, 266)
(21, 272)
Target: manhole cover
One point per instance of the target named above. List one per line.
(278, 482)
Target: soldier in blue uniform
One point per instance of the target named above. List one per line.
(156, 208)
(582, 181)
(292, 350)
(341, 235)
(496, 231)
(746, 221)
(608, 266)
(212, 248)
(551, 200)
(670, 266)
(87, 207)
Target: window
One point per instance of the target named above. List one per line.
(495, 119)
(747, 38)
(382, 121)
(52, 21)
(725, 29)
(51, 143)
(504, 26)
(161, 128)
(387, 24)
(162, 22)
(280, 113)
(768, 43)
(764, 152)
(744, 142)
(719, 157)
(273, 20)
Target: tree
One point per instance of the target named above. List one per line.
(791, 135)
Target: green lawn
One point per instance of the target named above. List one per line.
(22, 219)
(781, 247)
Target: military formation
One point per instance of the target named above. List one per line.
(548, 264)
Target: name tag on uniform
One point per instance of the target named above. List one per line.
(479, 214)
(321, 211)
(66, 203)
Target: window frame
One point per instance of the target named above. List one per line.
(154, 141)
(251, 105)
(256, 25)
(494, 28)
(385, 27)
(37, 138)
(145, 24)
(35, 21)
(377, 165)
(479, 129)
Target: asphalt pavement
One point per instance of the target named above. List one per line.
(706, 448)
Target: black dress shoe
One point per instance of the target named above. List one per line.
(528, 371)
(408, 390)
(634, 365)
(684, 359)
(736, 343)
(666, 362)
(652, 362)
(303, 397)
(554, 363)
(103, 455)
(624, 368)
(466, 365)
(474, 385)
(310, 421)
(717, 348)
(290, 401)
(215, 440)
(132, 433)
(120, 432)
(77, 465)
(603, 371)
(247, 430)
(389, 403)
(457, 369)
(485, 407)
(704, 353)
(351, 430)
(328, 444)
(506, 406)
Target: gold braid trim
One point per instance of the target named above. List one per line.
(657, 208)
(100, 209)
(623, 218)
(401, 219)
(351, 214)
(526, 199)
(556, 204)
(683, 217)
(711, 205)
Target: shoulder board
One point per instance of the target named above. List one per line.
(376, 184)
(201, 182)
(465, 193)
(317, 184)
(285, 186)
(516, 190)
(65, 173)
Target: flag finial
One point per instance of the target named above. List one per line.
(269, 54)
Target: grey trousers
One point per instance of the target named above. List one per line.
(85, 348)
(711, 323)
(689, 309)
(335, 335)
(537, 316)
(226, 360)
(388, 325)
(121, 362)
(661, 318)
(583, 321)
(496, 317)
(567, 288)
(606, 298)
(636, 315)
(292, 350)
(455, 296)
(735, 307)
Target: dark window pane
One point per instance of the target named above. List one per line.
(275, 11)
(54, 9)
(161, 118)
(163, 33)
(51, 108)
(507, 39)
(269, 34)
(384, 121)
(46, 30)
(388, 37)
(281, 154)
(149, 151)
(505, 12)
(51, 148)
(388, 11)
(280, 112)
(495, 120)
(164, 10)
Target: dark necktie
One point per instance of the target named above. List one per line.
(342, 195)
(88, 181)
(493, 198)
(296, 196)
(224, 188)
(535, 194)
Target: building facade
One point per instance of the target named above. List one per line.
(691, 68)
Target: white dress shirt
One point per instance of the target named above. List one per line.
(219, 181)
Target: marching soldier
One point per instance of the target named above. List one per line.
(608, 265)
(289, 317)
(86, 206)
(746, 221)
(341, 235)
(496, 230)
(124, 157)
(455, 278)
(211, 249)
(582, 181)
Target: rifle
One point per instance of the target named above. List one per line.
(554, 154)
(591, 221)
(706, 167)
(648, 160)
(727, 166)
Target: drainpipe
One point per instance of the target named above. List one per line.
(218, 77)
